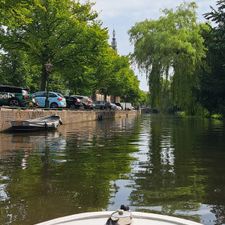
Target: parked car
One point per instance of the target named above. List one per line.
(14, 96)
(73, 102)
(118, 107)
(86, 101)
(99, 104)
(118, 104)
(112, 106)
(56, 100)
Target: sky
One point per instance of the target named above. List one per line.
(121, 15)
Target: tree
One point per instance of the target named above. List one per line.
(114, 75)
(125, 82)
(212, 85)
(168, 50)
(68, 35)
(16, 69)
(65, 33)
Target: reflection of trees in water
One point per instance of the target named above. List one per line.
(215, 189)
(167, 181)
(81, 169)
(212, 161)
(64, 174)
(96, 158)
(96, 133)
(21, 163)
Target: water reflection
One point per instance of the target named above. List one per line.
(174, 179)
(65, 172)
(155, 164)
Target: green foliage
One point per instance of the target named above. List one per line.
(181, 114)
(114, 76)
(143, 98)
(69, 35)
(64, 33)
(16, 12)
(168, 50)
(16, 69)
(212, 73)
(217, 116)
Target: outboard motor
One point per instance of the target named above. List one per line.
(120, 217)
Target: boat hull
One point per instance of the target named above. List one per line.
(31, 128)
(42, 123)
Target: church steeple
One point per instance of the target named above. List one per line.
(113, 43)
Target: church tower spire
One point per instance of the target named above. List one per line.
(113, 43)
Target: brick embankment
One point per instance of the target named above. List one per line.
(68, 116)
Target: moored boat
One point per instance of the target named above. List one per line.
(102, 218)
(41, 123)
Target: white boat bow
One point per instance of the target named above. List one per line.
(100, 218)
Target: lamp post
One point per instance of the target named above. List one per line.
(48, 69)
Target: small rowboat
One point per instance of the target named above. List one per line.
(41, 123)
(102, 218)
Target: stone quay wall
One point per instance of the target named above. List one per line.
(68, 116)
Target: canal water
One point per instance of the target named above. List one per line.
(164, 165)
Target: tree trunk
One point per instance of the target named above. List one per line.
(43, 81)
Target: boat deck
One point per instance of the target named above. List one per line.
(100, 218)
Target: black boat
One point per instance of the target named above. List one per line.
(41, 123)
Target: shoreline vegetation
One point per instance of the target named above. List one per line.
(183, 59)
(212, 116)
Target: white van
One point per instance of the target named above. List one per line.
(127, 106)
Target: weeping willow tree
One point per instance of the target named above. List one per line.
(169, 50)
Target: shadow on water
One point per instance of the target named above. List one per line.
(155, 164)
